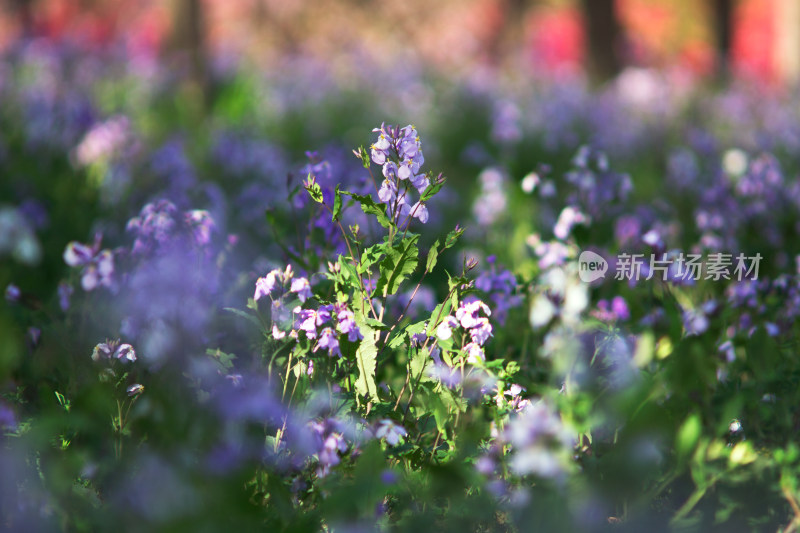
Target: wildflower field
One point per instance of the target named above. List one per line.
(398, 302)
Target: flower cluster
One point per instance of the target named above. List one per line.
(340, 321)
(329, 443)
(500, 284)
(477, 327)
(324, 324)
(158, 223)
(540, 441)
(104, 140)
(114, 350)
(399, 152)
(98, 265)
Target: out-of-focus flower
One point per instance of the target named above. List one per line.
(104, 141)
(135, 389)
(491, 202)
(13, 293)
(390, 431)
(540, 442)
(17, 237)
(98, 265)
(569, 217)
(65, 291)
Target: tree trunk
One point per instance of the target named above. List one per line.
(187, 45)
(723, 35)
(603, 35)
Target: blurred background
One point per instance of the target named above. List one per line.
(753, 38)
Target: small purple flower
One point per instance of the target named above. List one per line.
(390, 431)
(329, 341)
(347, 325)
(620, 308)
(98, 266)
(420, 212)
(13, 293)
(201, 223)
(135, 389)
(475, 353)
(102, 351)
(387, 192)
(468, 313)
(65, 291)
(445, 328)
(8, 420)
(125, 352)
(301, 287)
(481, 332)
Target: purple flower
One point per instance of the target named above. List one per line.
(13, 293)
(474, 353)
(98, 266)
(387, 192)
(420, 212)
(347, 324)
(329, 340)
(468, 313)
(569, 217)
(135, 389)
(125, 352)
(301, 287)
(102, 351)
(390, 431)
(445, 328)
(620, 308)
(65, 291)
(266, 284)
(201, 223)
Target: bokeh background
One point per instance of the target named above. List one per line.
(757, 38)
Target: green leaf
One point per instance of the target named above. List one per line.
(688, 435)
(439, 312)
(453, 236)
(366, 357)
(225, 359)
(242, 314)
(313, 189)
(370, 256)
(369, 207)
(401, 260)
(363, 155)
(433, 256)
(419, 359)
(337, 205)
(432, 189)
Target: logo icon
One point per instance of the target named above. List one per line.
(591, 266)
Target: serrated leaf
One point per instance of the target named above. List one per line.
(370, 256)
(366, 360)
(375, 324)
(433, 256)
(419, 359)
(369, 207)
(401, 260)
